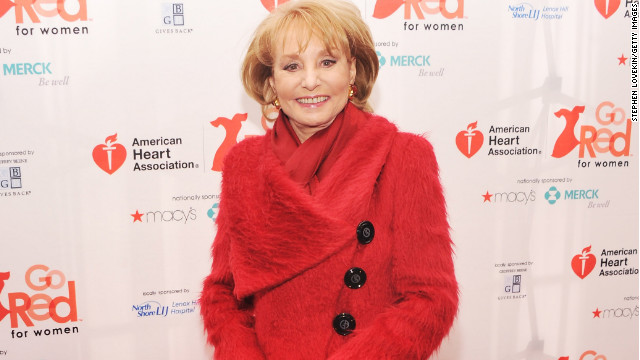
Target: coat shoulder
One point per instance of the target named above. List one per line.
(413, 150)
(245, 154)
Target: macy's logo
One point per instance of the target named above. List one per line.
(67, 10)
(40, 306)
(384, 8)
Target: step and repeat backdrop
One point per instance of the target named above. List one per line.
(115, 117)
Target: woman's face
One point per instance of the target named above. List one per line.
(312, 86)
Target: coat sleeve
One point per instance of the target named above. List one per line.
(228, 321)
(423, 275)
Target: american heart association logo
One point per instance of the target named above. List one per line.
(469, 141)
(583, 263)
(606, 8)
(109, 156)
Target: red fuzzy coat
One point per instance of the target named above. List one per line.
(280, 255)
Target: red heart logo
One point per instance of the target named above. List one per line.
(271, 5)
(605, 11)
(469, 141)
(109, 157)
(583, 264)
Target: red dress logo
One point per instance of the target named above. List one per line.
(5, 5)
(232, 128)
(567, 140)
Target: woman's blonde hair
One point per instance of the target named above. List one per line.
(336, 23)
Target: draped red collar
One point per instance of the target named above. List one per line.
(309, 162)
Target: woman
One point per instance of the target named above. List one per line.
(332, 237)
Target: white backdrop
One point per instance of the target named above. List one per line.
(115, 114)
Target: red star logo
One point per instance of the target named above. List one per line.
(622, 60)
(596, 314)
(137, 216)
(487, 197)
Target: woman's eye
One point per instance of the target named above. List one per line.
(291, 67)
(328, 62)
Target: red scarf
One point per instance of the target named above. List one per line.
(309, 162)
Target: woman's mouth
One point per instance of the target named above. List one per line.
(312, 100)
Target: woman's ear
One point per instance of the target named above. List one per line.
(352, 71)
(272, 84)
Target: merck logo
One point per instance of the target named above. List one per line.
(38, 68)
(67, 10)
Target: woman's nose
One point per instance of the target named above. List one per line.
(311, 78)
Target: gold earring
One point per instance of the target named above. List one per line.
(276, 103)
(353, 91)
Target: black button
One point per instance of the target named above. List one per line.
(365, 232)
(344, 324)
(355, 278)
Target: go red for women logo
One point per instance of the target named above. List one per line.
(42, 305)
(587, 355)
(36, 9)
(594, 140)
(110, 155)
(384, 8)
(583, 263)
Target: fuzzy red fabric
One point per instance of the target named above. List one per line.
(309, 162)
(280, 255)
